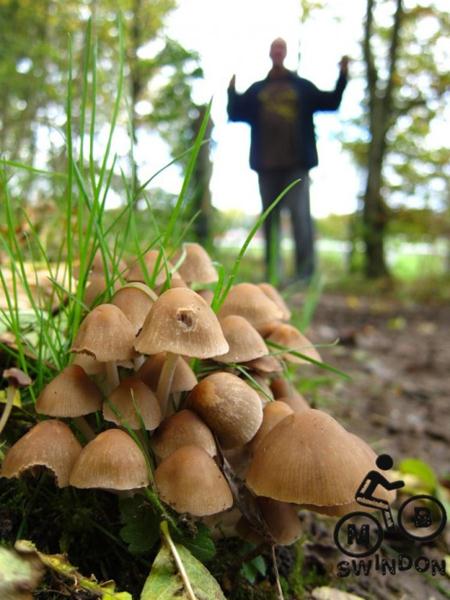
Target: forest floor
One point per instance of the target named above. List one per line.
(398, 357)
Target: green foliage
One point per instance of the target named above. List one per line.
(165, 582)
(421, 470)
(140, 529)
(251, 569)
(415, 162)
(198, 541)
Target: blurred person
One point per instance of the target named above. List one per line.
(279, 110)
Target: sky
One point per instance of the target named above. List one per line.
(234, 37)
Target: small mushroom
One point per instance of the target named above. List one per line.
(130, 396)
(111, 461)
(248, 301)
(230, 407)
(71, 394)
(190, 482)
(197, 266)
(184, 428)
(16, 379)
(290, 337)
(180, 323)
(49, 444)
(107, 335)
(244, 341)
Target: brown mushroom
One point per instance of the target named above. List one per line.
(289, 337)
(190, 482)
(308, 458)
(71, 394)
(112, 461)
(49, 444)
(107, 335)
(180, 323)
(197, 266)
(230, 407)
(245, 343)
(131, 401)
(184, 428)
(248, 301)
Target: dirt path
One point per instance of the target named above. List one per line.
(397, 400)
(399, 361)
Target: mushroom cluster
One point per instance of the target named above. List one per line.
(209, 401)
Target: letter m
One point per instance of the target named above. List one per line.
(361, 536)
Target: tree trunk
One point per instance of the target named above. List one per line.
(374, 211)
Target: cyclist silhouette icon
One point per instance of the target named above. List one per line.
(420, 518)
(365, 493)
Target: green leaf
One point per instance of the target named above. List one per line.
(421, 470)
(201, 546)
(165, 583)
(252, 568)
(141, 524)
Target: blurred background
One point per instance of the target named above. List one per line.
(392, 127)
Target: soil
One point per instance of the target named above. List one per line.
(398, 357)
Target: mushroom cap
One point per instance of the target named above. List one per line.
(265, 365)
(197, 265)
(122, 400)
(49, 444)
(297, 402)
(292, 338)
(106, 334)
(248, 301)
(95, 287)
(230, 407)
(136, 272)
(244, 341)
(207, 295)
(190, 482)
(273, 413)
(69, 394)
(110, 461)
(184, 378)
(181, 322)
(183, 428)
(89, 364)
(309, 458)
(134, 303)
(274, 295)
(16, 377)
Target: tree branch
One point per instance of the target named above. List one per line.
(392, 58)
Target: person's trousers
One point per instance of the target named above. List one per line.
(271, 184)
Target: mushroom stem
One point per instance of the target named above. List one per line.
(178, 561)
(10, 393)
(85, 428)
(112, 376)
(165, 380)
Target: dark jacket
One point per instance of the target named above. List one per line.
(247, 107)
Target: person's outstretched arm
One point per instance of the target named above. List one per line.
(241, 107)
(331, 100)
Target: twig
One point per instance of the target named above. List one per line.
(277, 574)
(178, 561)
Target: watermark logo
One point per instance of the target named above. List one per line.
(359, 534)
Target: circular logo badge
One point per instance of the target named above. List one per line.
(358, 534)
(422, 518)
